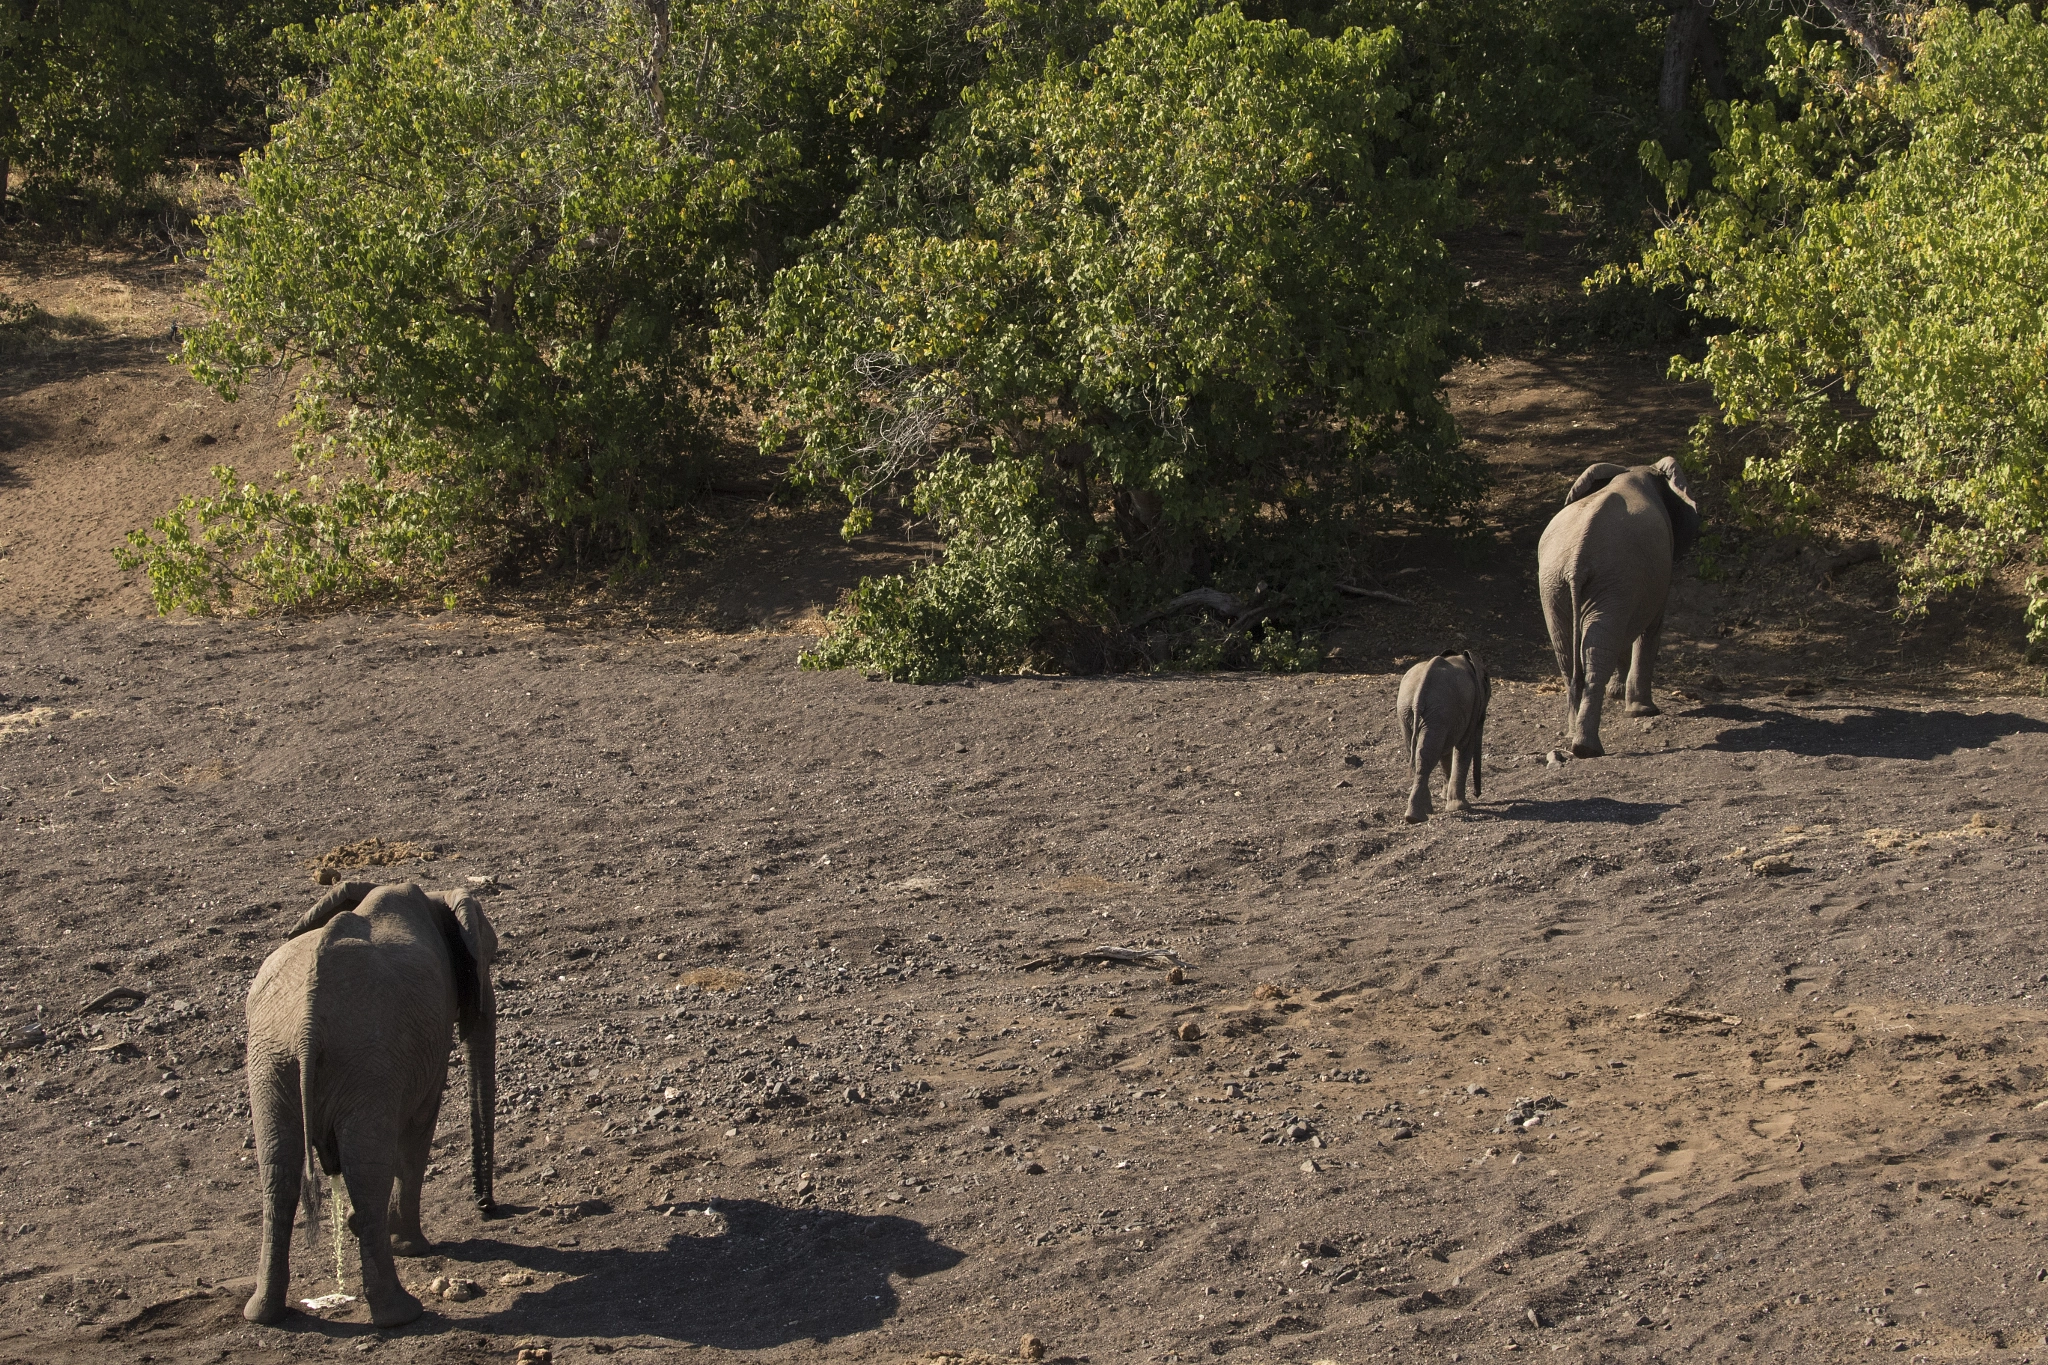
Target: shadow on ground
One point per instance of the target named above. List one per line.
(1589, 810)
(1865, 732)
(772, 1276)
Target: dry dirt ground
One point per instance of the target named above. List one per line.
(1725, 1047)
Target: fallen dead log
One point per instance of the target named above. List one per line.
(1153, 958)
(1214, 599)
(115, 997)
(1353, 590)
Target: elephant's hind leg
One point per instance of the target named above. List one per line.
(1600, 664)
(1642, 671)
(1460, 762)
(413, 1150)
(1431, 752)
(280, 1159)
(369, 1195)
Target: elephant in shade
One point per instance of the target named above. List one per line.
(1442, 706)
(1604, 568)
(349, 1025)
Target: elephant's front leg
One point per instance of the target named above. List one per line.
(1642, 670)
(369, 1194)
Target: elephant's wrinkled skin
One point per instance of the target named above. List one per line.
(1442, 706)
(349, 1025)
(1604, 568)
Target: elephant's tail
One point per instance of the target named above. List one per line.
(1575, 681)
(1411, 738)
(309, 1179)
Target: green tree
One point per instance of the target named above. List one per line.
(1174, 311)
(1880, 261)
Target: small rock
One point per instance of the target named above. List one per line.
(1119, 1012)
(1266, 990)
(515, 1278)
(1175, 976)
(1030, 1168)
(1031, 1348)
(1475, 1090)
(1310, 1167)
(535, 1355)
(1189, 1032)
(1556, 758)
(438, 1285)
(327, 876)
(1299, 1132)
(1773, 865)
(460, 1291)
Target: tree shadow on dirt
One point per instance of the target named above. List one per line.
(1584, 810)
(772, 1276)
(1863, 732)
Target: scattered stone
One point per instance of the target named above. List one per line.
(1189, 1032)
(1310, 1167)
(515, 1278)
(1299, 1132)
(1773, 865)
(1556, 758)
(1175, 976)
(535, 1355)
(23, 1036)
(1266, 990)
(1119, 1012)
(1030, 1168)
(1031, 1348)
(460, 1291)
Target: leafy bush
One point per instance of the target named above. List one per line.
(96, 94)
(1881, 260)
(1169, 313)
(487, 239)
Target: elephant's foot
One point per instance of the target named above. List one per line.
(410, 1244)
(1642, 708)
(1418, 811)
(1457, 803)
(265, 1308)
(395, 1309)
(1587, 748)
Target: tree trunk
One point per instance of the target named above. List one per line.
(1681, 48)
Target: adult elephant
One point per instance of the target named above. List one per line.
(349, 1023)
(1604, 569)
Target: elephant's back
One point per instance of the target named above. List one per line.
(1623, 523)
(381, 1002)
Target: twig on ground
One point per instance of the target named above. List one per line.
(1353, 590)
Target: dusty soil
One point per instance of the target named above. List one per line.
(1567, 1073)
(1724, 1047)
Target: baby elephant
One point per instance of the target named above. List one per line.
(349, 1024)
(1443, 720)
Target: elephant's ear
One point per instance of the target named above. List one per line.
(1685, 513)
(1596, 477)
(342, 898)
(468, 976)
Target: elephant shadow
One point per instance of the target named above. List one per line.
(770, 1277)
(1586, 810)
(1862, 731)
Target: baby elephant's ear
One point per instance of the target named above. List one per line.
(1674, 476)
(1596, 477)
